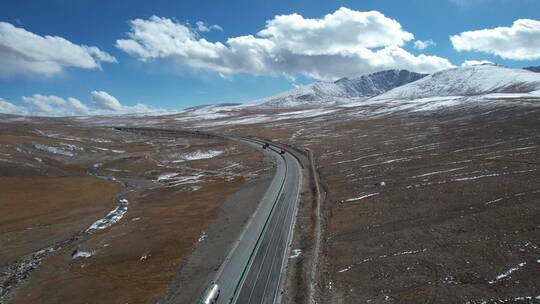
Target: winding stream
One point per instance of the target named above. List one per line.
(14, 275)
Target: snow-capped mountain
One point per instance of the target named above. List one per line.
(468, 81)
(342, 90)
(533, 69)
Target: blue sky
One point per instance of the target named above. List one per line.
(164, 81)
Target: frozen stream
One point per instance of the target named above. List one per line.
(13, 275)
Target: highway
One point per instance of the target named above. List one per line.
(253, 268)
(252, 271)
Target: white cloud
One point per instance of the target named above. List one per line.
(42, 105)
(7, 107)
(521, 41)
(423, 44)
(202, 27)
(205, 27)
(109, 104)
(217, 27)
(468, 3)
(344, 30)
(475, 62)
(99, 54)
(51, 105)
(105, 101)
(77, 105)
(23, 52)
(343, 43)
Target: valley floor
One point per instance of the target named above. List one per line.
(427, 207)
(437, 206)
(97, 215)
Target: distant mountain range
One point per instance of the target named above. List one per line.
(533, 69)
(468, 81)
(216, 105)
(325, 93)
(394, 85)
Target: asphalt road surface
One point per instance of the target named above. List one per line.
(251, 272)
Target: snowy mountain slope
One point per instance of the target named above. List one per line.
(533, 69)
(468, 81)
(377, 83)
(209, 106)
(342, 90)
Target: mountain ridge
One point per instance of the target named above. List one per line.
(341, 90)
(535, 69)
(468, 81)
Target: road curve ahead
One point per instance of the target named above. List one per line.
(252, 271)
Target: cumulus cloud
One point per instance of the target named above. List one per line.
(77, 105)
(107, 104)
(23, 52)
(423, 44)
(7, 107)
(51, 105)
(521, 41)
(343, 30)
(105, 101)
(475, 62)
(343, 43)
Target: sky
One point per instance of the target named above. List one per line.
(62, 57)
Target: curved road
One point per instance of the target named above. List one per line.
(252, 271)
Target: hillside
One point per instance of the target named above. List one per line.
(468, 81)
(342, 90)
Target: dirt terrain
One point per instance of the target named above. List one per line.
(436, 206)
(432, 206)
(455, 220)
(105, 216)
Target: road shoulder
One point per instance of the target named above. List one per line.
(201, 266)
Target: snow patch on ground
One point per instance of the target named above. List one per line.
(364, 196)
(82, 254)
(357, 159)
(439, 172)
(295, 253)
(506, 274)
(166, 176)
(110, 219)
(305, 113)
(173, 179)
(409, 252)
(345, 269)
(198, 155)
(57, 135)
(202, 237)
(395, 160)
(54, 150)
(524, 299)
